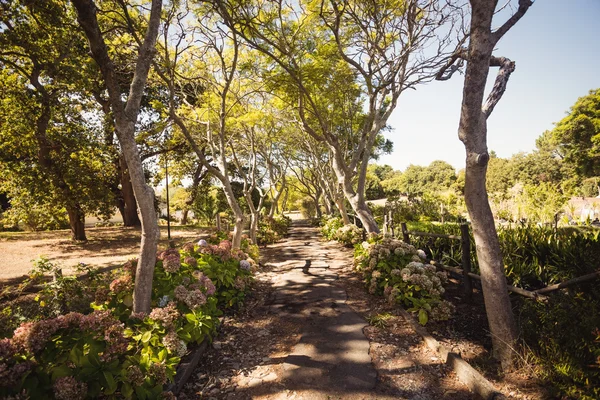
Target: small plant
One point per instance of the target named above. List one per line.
(349, 235)
(379, 320)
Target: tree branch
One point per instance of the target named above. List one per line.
(523, 7)
(507, 67)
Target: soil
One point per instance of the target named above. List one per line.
(249, 357)
(105, 247)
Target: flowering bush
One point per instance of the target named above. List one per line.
(115, 353)
(270, 230)
(395, 269)
(349, 235)
(330, 225)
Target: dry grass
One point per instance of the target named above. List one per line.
(105, 247)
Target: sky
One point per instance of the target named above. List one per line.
(556, 48)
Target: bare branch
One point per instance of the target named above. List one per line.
(523, 7)
(507, 67)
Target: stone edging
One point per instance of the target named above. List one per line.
(468, 375)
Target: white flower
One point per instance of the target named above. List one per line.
(202, 242)
(421, 254)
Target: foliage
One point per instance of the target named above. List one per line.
(307, 207)
(112, 352)
(271, 230)
(563, 337)
(330, 225)
(379, 320)
(577, 135)
(534, 256)
(394, 269)
(349, 235)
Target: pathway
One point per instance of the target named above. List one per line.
(298, 338)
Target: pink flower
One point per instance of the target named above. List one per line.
(159, 373)
(122, 284)
(166, 315)
(188, 247)
(171, 263)
(191, 261)
(69, 388)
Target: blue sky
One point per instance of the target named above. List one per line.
(556, 47)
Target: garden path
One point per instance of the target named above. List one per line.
(303, 335)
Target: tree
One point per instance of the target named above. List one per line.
(52, 154)
(343, 66)
(472, 132)
(125, 116)
(578, 135)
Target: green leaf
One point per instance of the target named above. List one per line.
(423, 318)
(146, 337)
(60, 372)
(111, 385)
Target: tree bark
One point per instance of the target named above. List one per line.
(473, 133)
(130, 209)
(126, 115)
(77, 222)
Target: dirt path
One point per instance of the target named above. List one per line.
(105, 247)
(303, 335)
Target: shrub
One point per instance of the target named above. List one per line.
(394, 269)
(271, 230)
(349, 235)
(114, 353)
(563, 336)
(330, 225)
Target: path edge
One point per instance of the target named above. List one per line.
(468, 375)
(185, 369)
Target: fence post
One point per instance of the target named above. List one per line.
(465, 243)
(405, 232)
(385, 225)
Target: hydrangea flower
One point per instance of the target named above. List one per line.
(69, 388)
(135, 375)
(191, 261)
(421, 254)
(166, 315)
(245, 265)
(159, 373)
(163, 301)
(202, 243)
(172, 263)
(174, 345)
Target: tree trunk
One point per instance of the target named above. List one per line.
(472, 132)
(340, 203)
(130, 212)
(317, 200)
(126, 115)
(359, 205)
(238, 226)
(77, 222)
(184, 216)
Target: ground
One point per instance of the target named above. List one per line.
(304, 331)
(303, 335)
(105, 247)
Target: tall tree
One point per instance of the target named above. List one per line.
(344, 65)
(472, 131)
(578, 135)
(126, 115)
(45, 136)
